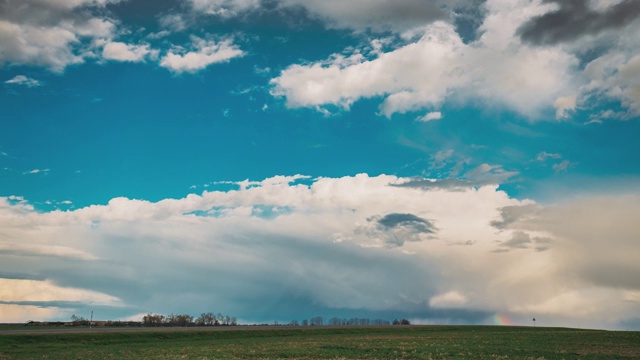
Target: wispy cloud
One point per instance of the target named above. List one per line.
(562, 166)
(25, 81)
(543, 156)
(36, 171)
(203, 53)
(119, 51)
(435, 115)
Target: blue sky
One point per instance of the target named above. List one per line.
(440, 161)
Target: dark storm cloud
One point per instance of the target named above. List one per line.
(414, 222)
(394, 229)
(574, 19)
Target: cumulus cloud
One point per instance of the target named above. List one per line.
(204, 53)
(564, 106)
(612, 77)
(497, 69)
(127, 52)
(304, 245)
(23, 80)
(50, 33)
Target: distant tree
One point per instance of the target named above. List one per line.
(405, 322)
(317, 321)
(79, 320)
(181, 320)
(294, 323)
(206, 319)
(153, 320)
(305, 322)
(396, 322)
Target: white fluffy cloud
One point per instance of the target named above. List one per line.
(203, 54)
(49, 33)
(379, 244)
(127, 52)
(495, 69)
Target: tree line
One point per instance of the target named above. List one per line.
(183, 320)
(335, 321)
(212, 319)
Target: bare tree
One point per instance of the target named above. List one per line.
(153, 320)
(317, 321)
(206, 319)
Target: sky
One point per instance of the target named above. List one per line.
(448, 162)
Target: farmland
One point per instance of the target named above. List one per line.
(406, 342)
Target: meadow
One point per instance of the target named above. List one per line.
(399, 342)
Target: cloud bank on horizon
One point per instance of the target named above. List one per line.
(379, 245)
(467, 159)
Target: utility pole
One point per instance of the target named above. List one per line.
(91, 321)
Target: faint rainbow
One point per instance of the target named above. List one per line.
(501, 319)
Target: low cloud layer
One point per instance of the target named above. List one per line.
(451, 255)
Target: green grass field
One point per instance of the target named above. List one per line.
(411, 342)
